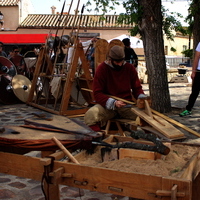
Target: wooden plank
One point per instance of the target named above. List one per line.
(70, 79)
(157, 133)
(142, 186)
(191, 169)
(159, 124)
(52, 191)
(35, 77)
(176, 123)
(112, 181)
(101, 49)
(138, 154)
(148, 109)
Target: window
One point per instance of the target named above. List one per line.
(184, 47)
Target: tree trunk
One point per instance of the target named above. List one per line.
(152, 35)
(196, 27)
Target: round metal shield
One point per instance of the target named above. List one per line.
(21, 87)
(7, 67)
(7, 95)
(19, 63)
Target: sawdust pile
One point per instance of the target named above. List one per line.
(170, 165)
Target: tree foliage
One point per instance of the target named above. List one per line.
(193, 20)
(133, 13)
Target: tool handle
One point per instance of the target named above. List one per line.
(67, 153)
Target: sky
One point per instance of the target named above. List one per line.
(44, 6)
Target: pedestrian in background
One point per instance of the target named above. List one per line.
(195, 83)
(130, 55)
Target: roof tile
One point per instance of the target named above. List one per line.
(69, 21)
(9, 2)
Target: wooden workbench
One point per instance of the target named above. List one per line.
(136, 185)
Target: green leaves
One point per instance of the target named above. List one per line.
(133, 15)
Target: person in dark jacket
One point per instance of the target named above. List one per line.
(130, 55)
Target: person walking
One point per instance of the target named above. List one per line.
(117, 78)
(195, 83)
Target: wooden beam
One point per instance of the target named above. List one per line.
(136, 185)
(176, 123)
(159, 124)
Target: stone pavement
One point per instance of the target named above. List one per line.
(16, 188)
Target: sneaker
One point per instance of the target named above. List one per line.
(185, 113)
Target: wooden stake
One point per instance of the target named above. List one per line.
(67, 153)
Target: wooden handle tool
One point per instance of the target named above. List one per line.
(67, 153)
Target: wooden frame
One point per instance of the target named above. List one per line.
(46, 71)
(136, 185)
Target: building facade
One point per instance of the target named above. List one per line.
(23, 28)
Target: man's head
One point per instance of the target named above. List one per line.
(15, 49)
(117, 55)
(126, 42)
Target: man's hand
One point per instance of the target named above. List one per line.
(193, 75)
(119, 104)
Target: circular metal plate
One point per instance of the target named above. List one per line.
(19, 63)
(21, 87)
(7, 67)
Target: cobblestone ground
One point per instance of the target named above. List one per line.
(16, 188)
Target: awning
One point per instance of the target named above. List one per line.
(23, 38)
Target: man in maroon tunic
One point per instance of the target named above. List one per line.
(114, 77)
